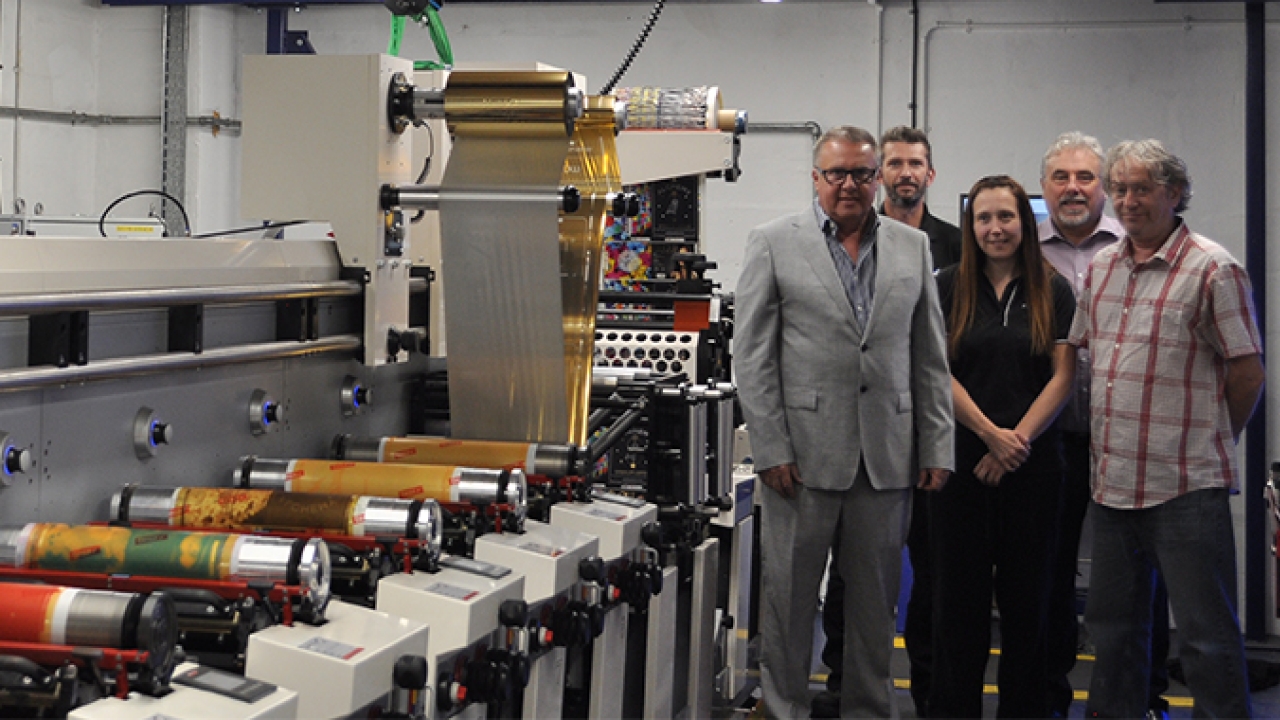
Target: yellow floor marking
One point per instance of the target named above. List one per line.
(1176, 701)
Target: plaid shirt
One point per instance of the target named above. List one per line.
(1160, 333)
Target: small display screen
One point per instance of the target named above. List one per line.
(221, 681)
(225, 684)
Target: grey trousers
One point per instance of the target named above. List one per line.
(795, 536)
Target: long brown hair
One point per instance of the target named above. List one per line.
(1035, 272)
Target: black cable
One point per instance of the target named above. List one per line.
(635, 48)
(102, 220)
(251, 228)
(426, 166)
(915, 60)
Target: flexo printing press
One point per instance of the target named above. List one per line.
(393, 472)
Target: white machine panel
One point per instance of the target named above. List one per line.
(461, 607)
(188, 703)
(649, 155)
(317, 145)
(618, 526)
(342, 666)
(548, 555)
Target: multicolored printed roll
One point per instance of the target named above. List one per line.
(170, 554)
(267, 510)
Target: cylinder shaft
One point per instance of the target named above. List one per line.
(553, 461)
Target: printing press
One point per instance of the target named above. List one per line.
(205, 450)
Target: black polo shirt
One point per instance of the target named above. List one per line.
(994, 363)
(944, 239)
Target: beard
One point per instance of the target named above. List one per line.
(904, 202)
(1072, 220)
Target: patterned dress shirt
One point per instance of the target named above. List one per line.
(1160, 332)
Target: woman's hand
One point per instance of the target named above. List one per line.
(1008, 448)
(988, 470)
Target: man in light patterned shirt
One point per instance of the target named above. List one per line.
(1168, 317)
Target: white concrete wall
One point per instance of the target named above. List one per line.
(999, 79)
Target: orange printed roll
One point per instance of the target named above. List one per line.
(27, 614)
(52, 615)
(552, 461)
(442, 483)
(253, 510)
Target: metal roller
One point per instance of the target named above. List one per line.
(267, 510)
(51, 615)
(171, 554)
(484, 101)
(545, 459)
(441, 483)
(566, 199)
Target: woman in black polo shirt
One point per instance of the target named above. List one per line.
(992, 526)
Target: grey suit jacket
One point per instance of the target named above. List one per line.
(815, 391)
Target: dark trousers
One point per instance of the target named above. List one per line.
(916, 634)
(1190, 540)
(1064, 628)
(1011, 529)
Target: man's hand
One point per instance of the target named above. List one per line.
(932, 479)
(784, 479)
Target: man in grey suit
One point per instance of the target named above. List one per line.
(839, 348)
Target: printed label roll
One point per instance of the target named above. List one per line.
(441, 483)
(170, 554)
(549, 460)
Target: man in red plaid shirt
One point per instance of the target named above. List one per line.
(1167, 315)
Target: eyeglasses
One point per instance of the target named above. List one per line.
(1139, 191)
(860, 176)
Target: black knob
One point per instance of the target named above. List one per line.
(570, 199)
(161, 433)
(410, 672)
(17, 460)
(513, 613)
(362, 395)
(389, 195)
(652, 534)
(591, 569)
(271, 411)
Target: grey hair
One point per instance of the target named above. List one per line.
(1164, 167)
(843, 133)
(1068, 141)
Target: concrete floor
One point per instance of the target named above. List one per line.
(1266, 703)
